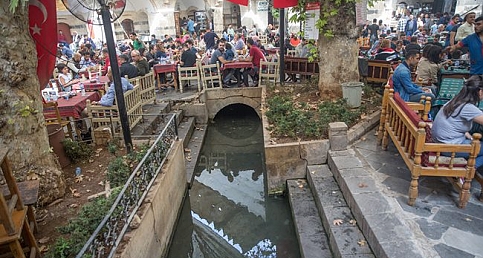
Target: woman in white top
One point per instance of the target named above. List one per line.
(65, 77)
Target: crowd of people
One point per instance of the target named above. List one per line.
(136, 57)
(426, 44)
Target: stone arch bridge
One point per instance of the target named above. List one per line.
(213, 101)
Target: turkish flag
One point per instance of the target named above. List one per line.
(242, 2)
(43, 29)
(284, 3)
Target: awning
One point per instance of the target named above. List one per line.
(284, 3)
(241, 2)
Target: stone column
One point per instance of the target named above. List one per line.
(338, 136)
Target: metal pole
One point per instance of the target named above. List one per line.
(106, 21)
(282, 46)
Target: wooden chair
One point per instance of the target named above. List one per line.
(291, 53)
(52, 116)
(211, 76)
(188, 74)
(268, 71)
(14, 225)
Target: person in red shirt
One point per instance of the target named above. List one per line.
(256, 55)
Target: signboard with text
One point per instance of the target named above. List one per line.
(262, 6)
(313, 14)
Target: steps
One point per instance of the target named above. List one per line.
(308, 226)
(345, 237)
(324, 222)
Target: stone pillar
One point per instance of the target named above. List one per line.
(338, 136)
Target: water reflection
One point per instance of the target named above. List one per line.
(228, 213)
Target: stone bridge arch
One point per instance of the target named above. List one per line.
(219, 104)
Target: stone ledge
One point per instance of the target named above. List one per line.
(387, 235)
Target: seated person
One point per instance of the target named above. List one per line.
(413, 45)
(430, 64)
(140, 62)
(403, 84)
(385, 52)
(107, 99)
(127, 68)
(255, 57)
(188, 57)
(302, 49)
(453, 122)
(65, 77)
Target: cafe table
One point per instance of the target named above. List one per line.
(72, 108)
(237, 65)
(454, 72)
(92, 85)
(165, 69)
(448, 89)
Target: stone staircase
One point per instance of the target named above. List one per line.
(324, 222)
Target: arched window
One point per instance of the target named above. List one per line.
(127, 26)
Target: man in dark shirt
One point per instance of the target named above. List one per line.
(140, 62)
(413, 45)
(210, 37)
(373, 30)
(126, 68)
(188, 58)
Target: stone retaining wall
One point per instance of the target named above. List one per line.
(159, 212)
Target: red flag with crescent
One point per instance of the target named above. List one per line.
(43, 29)
(284, 3)
(242, 2)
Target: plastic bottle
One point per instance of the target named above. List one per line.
(83, 90)
(97, 77)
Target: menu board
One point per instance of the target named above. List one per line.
(313, 14)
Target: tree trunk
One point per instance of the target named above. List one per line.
(22, 125)
(338, 54)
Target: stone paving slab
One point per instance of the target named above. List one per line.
(310, 232)
(437, 227)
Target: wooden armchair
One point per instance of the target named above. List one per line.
(188, 74)
(52, 116)
(211, 76)
(15, 229)
(268, 71)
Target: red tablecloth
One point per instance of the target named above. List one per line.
(234, 65)
(73, 106)
(164, 68)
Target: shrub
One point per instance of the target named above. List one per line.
(303, 121)
(77, 151)
(82, 227)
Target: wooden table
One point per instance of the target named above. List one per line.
(164, 69)
(237, 65)
(453, 72)
(72, 107)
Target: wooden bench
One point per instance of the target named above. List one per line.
(108, 117)
(412, 138)
(378, 71)
(301, 66)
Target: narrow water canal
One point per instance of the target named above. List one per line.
(228, 213)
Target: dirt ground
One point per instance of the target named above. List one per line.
(78, 190)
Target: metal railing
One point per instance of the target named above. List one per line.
(107, 236)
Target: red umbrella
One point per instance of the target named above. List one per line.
(284, 3)
(242, 2)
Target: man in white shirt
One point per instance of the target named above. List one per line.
(467, 28)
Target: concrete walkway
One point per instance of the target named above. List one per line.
(437, 227)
